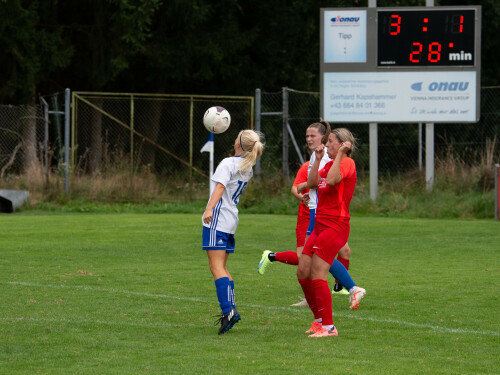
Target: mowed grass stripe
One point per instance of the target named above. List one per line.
(210, 301)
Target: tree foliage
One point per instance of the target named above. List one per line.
(178, 46)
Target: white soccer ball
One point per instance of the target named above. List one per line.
(217, 119)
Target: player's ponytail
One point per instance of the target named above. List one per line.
(252, 145)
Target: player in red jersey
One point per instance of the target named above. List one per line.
(292, 257)
(335, 185)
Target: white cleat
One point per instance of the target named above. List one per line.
(356, 293)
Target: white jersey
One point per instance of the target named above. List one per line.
(313, 195)
(225, 213)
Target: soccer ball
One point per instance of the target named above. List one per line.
(217, 119)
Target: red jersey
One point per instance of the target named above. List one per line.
(333, 201)
(300, 178)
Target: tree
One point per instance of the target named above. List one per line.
(30, 52)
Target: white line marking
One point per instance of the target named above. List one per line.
(116, 291)
(84, 321)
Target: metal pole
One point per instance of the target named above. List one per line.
(429, 156)
(420, 146)
(46, 140)
(285, 133)
(297, 149)
(132, 112)
(373, 144)
(497, 192)
(429, 141)
(191, 114)
(257, 126)
(67, 105)
(373, 161)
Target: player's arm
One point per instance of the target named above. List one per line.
(334, 177)
(216, 196)
(296, 193)
(301, 197)
(301, 187)
(313, 177)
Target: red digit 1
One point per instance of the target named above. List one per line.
(457, 24)
(415, 54)
(434, 52)
(395, 26)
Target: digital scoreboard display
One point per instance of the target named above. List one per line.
(425, 38)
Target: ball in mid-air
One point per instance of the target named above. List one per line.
(217, 119)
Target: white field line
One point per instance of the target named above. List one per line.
(117, 291)
(87, 321)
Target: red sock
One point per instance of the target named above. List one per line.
(323, 300)
(307, 287)
(344, 261)
(288, 257)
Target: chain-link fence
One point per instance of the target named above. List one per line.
(161, 133)
(21, 140)
(400, 146)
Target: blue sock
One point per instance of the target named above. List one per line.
(339, 272)
(233, 300)
(224, 293)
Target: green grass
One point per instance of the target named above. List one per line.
(132, 294)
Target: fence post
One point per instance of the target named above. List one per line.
(46, 140)
(66, 134)
(497, 191)
(132, 118)
(191, 115)
(285, 133)
(257, 126)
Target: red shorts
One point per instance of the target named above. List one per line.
(326, 241)
(302, 224)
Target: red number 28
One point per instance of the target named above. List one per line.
(433, 56)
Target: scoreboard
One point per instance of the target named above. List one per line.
(407, 64)
(424, 38)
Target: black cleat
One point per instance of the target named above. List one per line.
(227, 321)
(338, 287)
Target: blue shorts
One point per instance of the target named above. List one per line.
(312, 215)
(215, 240)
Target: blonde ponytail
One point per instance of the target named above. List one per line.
(252, 145)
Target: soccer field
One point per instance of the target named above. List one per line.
(132, 294)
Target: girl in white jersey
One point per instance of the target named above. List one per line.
(220, 219)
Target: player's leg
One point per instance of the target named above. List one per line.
(224, 285)
(343, 257)
(287, 257)
(305, 281)
(319, 274)
(217, 263)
